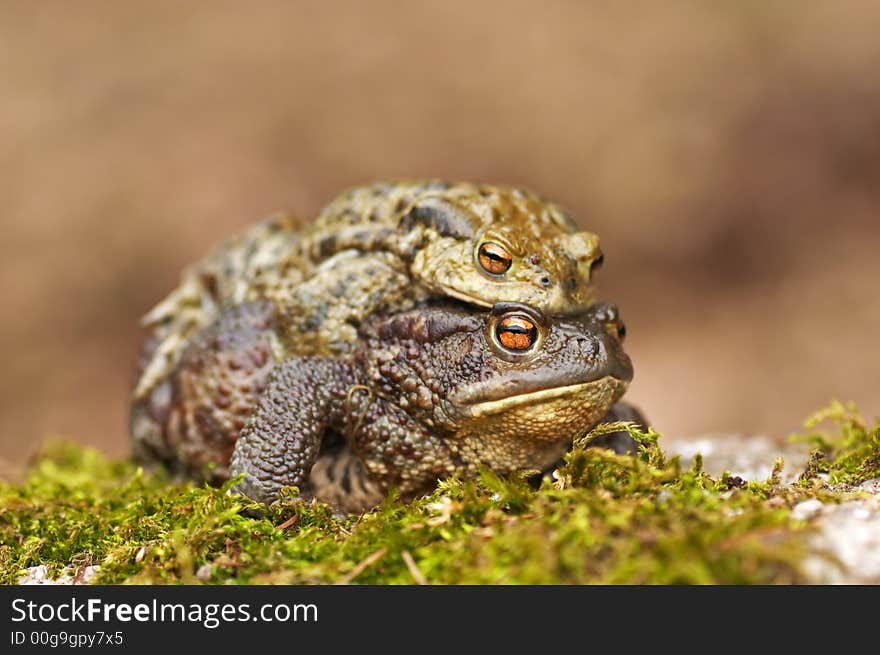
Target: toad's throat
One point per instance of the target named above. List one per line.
(607, 385)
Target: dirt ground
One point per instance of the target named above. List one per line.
(728, 154)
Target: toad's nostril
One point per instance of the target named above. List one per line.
(545, 281)
(587, 347)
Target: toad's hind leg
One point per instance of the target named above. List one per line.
(321, 315)
(190, 422)
(280, 443)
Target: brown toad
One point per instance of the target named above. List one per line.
(381, 247)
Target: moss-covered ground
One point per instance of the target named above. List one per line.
(600, 518)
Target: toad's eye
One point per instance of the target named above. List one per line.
(494, 258)
(597, 263)
(516, 333)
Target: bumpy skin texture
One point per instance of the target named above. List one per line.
(429, 393)
(379, 248)
(192, 420)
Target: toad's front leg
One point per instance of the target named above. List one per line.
(304, 397)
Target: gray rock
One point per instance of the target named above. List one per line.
(751, 457)
(845, 548)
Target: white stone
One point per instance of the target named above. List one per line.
(807, 509)
(846, 547)
(40, 575)
(750, 457)
(204, 572)
(871, 486)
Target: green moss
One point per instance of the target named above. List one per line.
(601, 518)
(848, 456)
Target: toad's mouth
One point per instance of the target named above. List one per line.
(604, 388)
(464, 297)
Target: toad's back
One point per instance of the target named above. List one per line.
(380, 247)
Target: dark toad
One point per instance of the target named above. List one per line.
(427, 393)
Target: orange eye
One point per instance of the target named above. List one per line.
(516, 333)
(494, 259)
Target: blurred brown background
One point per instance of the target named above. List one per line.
(727, 153)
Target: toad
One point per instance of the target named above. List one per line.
(378, 248)
(428, 393)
